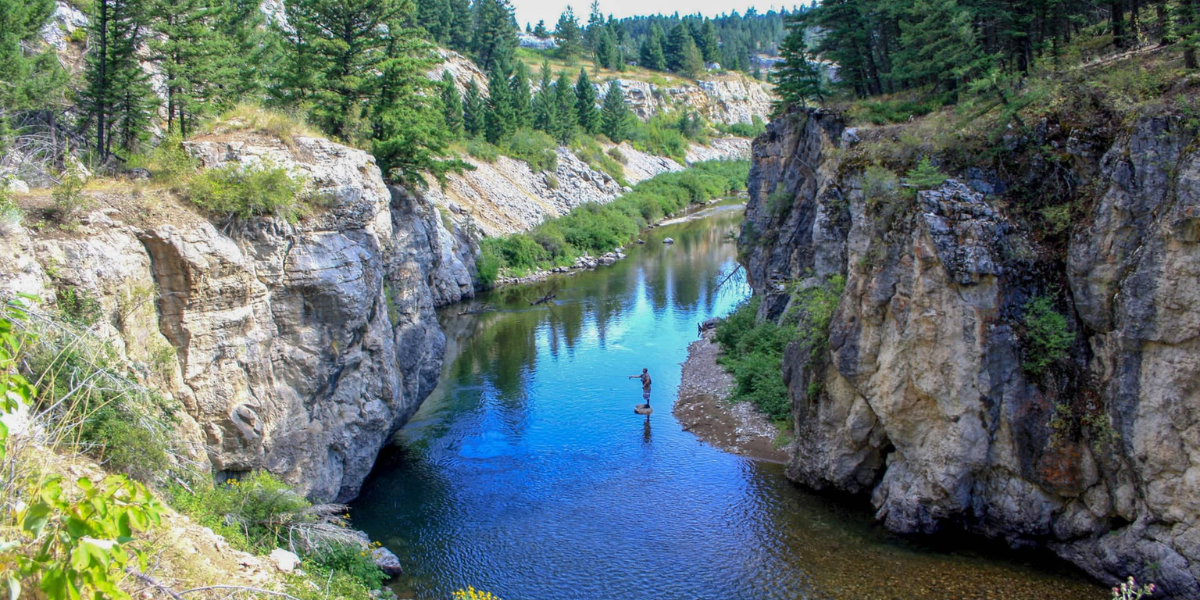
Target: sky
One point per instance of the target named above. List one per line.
(530, 11)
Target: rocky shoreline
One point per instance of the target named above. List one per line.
(704, 409)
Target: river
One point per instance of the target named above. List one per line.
(526, 473)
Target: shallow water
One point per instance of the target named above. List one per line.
(527, 474)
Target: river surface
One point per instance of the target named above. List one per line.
(527, 474)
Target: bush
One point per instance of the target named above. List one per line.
(780, 201)
(482, 150)
(245, 191)
(1047, 335)
(487, 264)
(615, 154)
(753, 353)
(76, 307)
(751, 130)
(589, 151)
(533, 147)
(168, 162)
(69, 199)
(252, 514)
(351, 560)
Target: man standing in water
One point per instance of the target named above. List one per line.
(645, 377)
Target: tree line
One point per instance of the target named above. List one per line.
(887, 46)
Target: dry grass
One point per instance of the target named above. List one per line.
(256, 119)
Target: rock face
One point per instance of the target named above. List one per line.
(921, 399)
(507, 196)
(727, 98)
(298, 348)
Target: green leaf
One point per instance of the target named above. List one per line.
(36, 518)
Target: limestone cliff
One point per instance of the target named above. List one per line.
(293, 347)
(921, 399)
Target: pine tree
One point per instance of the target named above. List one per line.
(495, 37)
(522, 98)
(594, 25)
(708, 42)
(545, 105)
(341, 45)
(191, 54)
(606, 51)
(615, 115)
(500, 122)
(564, 97)
(567, 34)
(458, 23)
(651, 55)
(682, 55)
(585, 104)
(474, 111)
(255, 53)
(937, 44)
(408, 130)
(429, 18)
(798, 79)
(452, 106)
(117, 98)
(25, 77)
(540, 30)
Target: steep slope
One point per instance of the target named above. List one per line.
(295, 348)
(921, 397)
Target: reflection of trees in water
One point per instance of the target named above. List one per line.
(499, 349)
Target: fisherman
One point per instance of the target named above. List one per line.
(645, 377)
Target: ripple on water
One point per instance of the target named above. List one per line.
(527, 474)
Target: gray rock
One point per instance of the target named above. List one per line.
(387, 562)
(925, 404)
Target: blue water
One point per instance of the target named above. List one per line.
(526, 473)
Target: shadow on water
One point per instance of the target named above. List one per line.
(526, 472)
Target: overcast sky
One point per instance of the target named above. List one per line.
(530, 11)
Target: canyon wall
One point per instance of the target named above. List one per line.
(922, 397)
(298, 348)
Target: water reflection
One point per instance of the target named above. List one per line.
(526, 472)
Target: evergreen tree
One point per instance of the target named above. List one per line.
(408, 129)
(500, 122)
(606, 51)
(567, 34)
(651, 55)
(564, 96)
(255, 53)
(339, 50)
(429, 17)
(594, 25)
(117, 98)
(458, 24)
(452, 106)
(495, 37)
(615, 115)
(585, 104)
(193, 57)
(937, 44)
(474, 111)
(799, 79)
(545, 105)
(522, 97)
(540, 30)
(682, 55)
(708, 42)
(27, 80)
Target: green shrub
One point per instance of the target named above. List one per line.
(122, 445)
(883, 112)
(813, 309)
(750, 130)
(351, 560)
(245, 191)
(487, 264)
(1047, 335)
(11, 215)
(168, 162)
(252, 514)
(69, 199)
(78, 36)
(926, 176)
(533, 147)
(753, 353)
(615, 154)
(587, 149)
(552, 182)
(780, 201)
(76, 307)
(482, 150)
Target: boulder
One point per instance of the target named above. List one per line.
(284, 560)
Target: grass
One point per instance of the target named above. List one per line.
(253, 118)
(597, 228)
